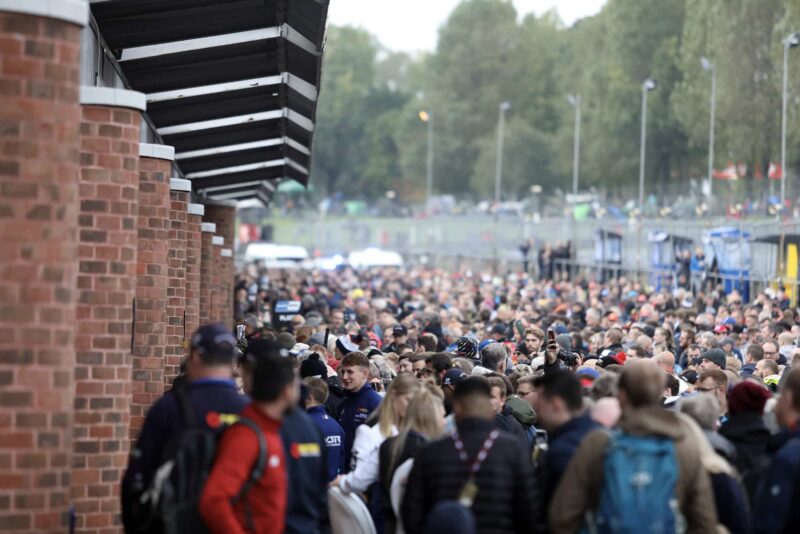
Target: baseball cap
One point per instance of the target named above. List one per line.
(453, 377)
(298, 349)
(587, 376)
(214, 339)
(346, 345)
(399, 330)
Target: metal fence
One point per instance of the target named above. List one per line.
(480, 242)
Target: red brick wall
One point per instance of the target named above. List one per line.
(150, 334)
(176, 288)
(193, 221)
(217, 281)
(223, 214)
(109, 184)
(207, 269)
(39, 120)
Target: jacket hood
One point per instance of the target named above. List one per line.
(745, 427)
(652, 421)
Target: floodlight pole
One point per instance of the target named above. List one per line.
(498, 171)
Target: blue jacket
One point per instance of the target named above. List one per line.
(561, 445)
(353, 412)
(333, 433)
(306, 509)
(747, 370)
(774, 493)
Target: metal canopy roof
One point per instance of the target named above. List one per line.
(231, 84)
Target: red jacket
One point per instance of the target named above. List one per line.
(236, 455)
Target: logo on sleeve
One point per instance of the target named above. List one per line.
(304, 450)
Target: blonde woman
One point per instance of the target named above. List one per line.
(363, 471)
(424, 422)
(729, 497)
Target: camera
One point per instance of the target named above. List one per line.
(569, 358)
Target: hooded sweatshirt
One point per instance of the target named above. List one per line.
(582, 481)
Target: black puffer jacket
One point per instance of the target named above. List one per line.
(750, 437)
(505, 481)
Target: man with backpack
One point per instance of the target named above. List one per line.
(180, 428)
(246, 490)
(478, 475)
(646, 477)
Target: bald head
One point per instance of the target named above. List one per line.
(666, 361)
(641, 384)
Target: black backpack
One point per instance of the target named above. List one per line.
(170, 504)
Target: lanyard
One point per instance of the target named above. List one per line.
(475, 465)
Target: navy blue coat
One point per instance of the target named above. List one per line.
(306, 463)
(333, 434)
(774, 493)
(353, 412)
(562, 444)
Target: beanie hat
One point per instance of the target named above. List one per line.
(716, 356)
(313, 366)
(467, 347)
(748, 396)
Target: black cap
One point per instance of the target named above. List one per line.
(215, 340)
(499, 328)
(399, 330)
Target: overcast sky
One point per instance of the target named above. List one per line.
(412, 25)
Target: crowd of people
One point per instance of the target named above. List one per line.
(425, 401)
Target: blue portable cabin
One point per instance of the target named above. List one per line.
(728, 256)
(664, 251)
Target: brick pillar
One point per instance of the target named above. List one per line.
(206, 271)
(217, 277)
(150, 331)
(223, 214)
(39, 122)
(179, 191)
(109, 184)
(193, 221)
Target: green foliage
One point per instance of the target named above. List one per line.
(369, 137)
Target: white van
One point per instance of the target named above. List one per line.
(276, 256)
(374, 257)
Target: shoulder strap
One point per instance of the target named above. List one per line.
(255, 473)
(185, 408)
